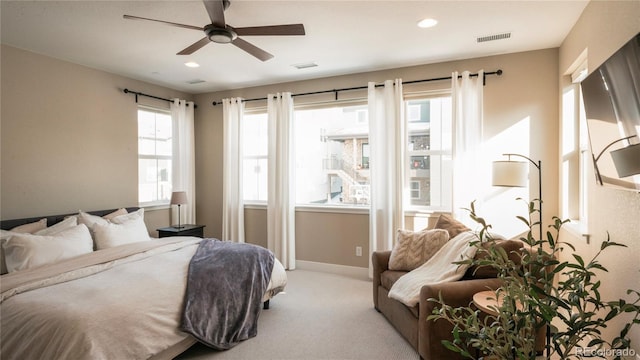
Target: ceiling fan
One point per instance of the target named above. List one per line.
(222, 33)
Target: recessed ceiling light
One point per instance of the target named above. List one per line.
(427, 23)
(192, 64)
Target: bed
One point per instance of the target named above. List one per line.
(123, 299)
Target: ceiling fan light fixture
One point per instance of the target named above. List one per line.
(220, 36)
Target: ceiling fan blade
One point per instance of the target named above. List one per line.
(131, 17)
(215, 8)
(252, 49)
(195, 46)
(290, 29)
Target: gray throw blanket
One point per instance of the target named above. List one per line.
(225, 286)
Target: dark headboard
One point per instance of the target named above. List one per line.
(53, 219)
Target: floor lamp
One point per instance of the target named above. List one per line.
(179, 198)
(515, 174)
(511, 173)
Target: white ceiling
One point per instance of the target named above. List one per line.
(341, 36)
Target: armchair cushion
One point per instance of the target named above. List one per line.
(389, 277)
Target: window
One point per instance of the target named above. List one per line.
(331, 146)
(155, 148)
(576, 155)
(428, 152)
(332, 155)
(365, 156)
(415, 189)
(255, 151)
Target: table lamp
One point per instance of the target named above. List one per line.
(179, 198)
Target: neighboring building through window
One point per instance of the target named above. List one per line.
(155, 149)
(332, 155)
(429, 152)
(331, 149)
(415, 190)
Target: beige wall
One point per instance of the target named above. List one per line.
(69, 138)
(68, 142)
(77, 134)
(602, 29)
(520, 116)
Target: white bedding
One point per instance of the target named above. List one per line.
(119, 303)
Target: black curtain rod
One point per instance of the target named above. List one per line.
(127, 91)
(336, 91)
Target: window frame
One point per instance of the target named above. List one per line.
(157, 157)
(442, 178)
(254, 111)
(359, 120)
(337, 208)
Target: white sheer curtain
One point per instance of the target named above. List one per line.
(281, 199)
(184, 165)
(232, 199)
(467, 94)
(387, 136)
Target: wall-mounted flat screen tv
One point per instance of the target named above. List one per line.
(611, 97)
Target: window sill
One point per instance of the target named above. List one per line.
(425, 213)
(575, 228)
(319, 209)
(155, 207)
(333, 209)
(256, 206)
(348, 210)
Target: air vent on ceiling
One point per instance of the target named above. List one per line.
(196, 81)
(494, 37)
(304, 65)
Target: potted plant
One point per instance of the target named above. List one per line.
(539, 293)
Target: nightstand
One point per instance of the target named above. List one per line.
(185, 230)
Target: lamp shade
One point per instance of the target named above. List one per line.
(178, 198)
(510, 173)
(627, 160)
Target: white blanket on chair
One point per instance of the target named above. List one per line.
(438, 269)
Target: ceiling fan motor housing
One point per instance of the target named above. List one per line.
(220, 35)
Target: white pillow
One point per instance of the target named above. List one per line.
(90, 220)
(26, 251)
(61, 226)
(31, 227)
(128, 216)
(123, 229)
(4, 236)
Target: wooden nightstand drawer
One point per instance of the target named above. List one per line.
(185, 230)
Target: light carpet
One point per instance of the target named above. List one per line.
(321, 316)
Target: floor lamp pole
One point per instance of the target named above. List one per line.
(538, 165)
(540, 197)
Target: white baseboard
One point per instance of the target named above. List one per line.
(352, 271)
